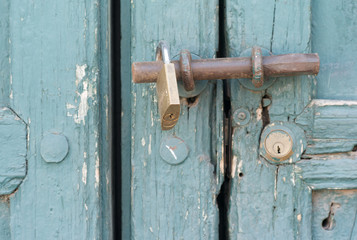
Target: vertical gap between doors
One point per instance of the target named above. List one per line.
(115, 43)
(223, 196)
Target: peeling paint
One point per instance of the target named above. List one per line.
(149, 146)
(80, 73)
(323, 102)
(84, 173)
(97, 171)
(234, 166)
(259, 113)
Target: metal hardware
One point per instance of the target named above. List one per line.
(173, 150)
(186, 70)
(166, 87)
(230, 68)
(282, 142)
(257, 67)
(241, 116)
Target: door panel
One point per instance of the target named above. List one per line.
(292, 201)
(333, 37)
(176, 201)
(56, 81)
(262, 195)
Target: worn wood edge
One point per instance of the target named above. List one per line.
(125, 19)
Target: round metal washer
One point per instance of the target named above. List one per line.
(241, 116)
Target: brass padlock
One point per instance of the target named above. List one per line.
(167, 90)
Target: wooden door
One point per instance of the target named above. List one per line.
(174, 192)
(54, 163)
(292, 170)
(310, 195)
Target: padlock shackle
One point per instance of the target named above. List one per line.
(162, 52)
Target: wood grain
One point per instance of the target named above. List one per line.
(175, 201)
(59, 84)
(262, 201)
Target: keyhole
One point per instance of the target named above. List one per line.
(329, 223)
(278, 148)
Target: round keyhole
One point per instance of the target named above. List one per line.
(278, 145)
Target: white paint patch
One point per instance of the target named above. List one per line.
(259, 113)
(84, 96)
(151, 229)
(80, 73)
(86, 207)
(299, 217)
(97, 173)
(323, 102)
(84, 173)
(149, 147)
(293, 178)
(70, 106)
(143, 142)
(221, 163)
(234, 166)
(83, 105)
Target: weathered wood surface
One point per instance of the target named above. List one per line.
(333, 37)
(262, 204)
(175, 201)
(332, 171)
(330, 126)
(334, 214)
(56, 70)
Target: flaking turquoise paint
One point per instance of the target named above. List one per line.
(55, 75)
(175, 201)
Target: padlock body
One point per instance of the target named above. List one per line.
(168, 97)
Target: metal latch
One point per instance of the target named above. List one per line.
(188, 70)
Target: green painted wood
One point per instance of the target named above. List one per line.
(5, 232)
(175, 201)
(333, 38)
(336, 171)
(125, 70)
(5, 58)
(341, 206)
(262, 196)
(58, 83)
(329, 126)
(13, 135)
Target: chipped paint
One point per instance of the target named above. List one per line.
(80, 73)
(324, 102)
(299, 217)
(84, 173)
(97, 170)
(259, 113)
(83, 105)
(234, 166)
(149, 146)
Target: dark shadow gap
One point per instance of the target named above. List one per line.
(224, 194)
(116, 117)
